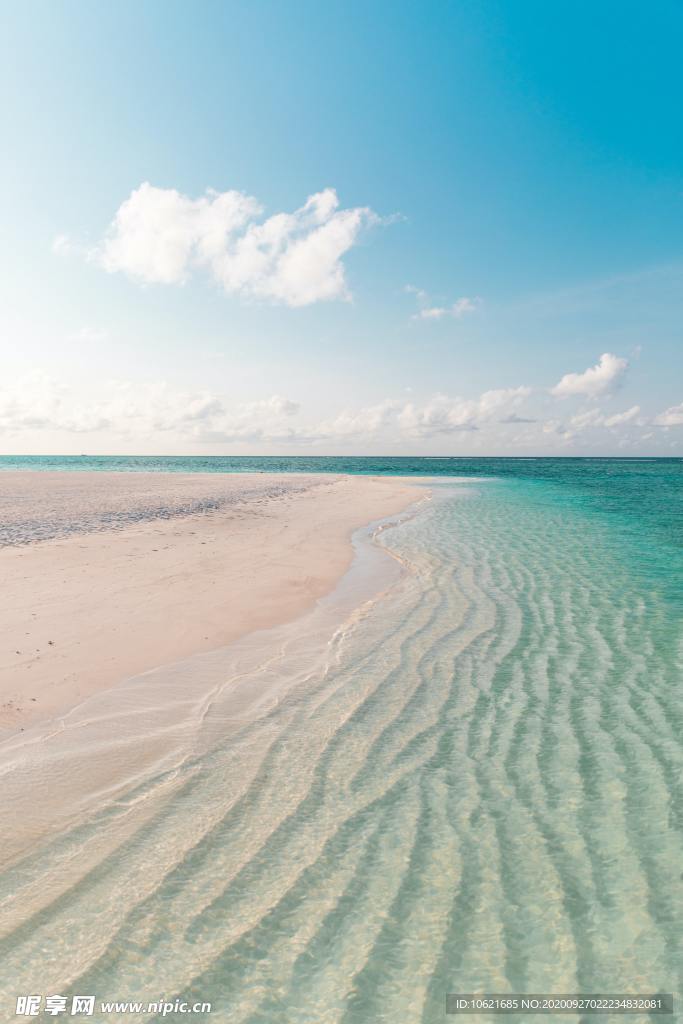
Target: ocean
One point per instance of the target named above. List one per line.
(461, 773)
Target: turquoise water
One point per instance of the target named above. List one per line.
(647, 492)
(476, 786)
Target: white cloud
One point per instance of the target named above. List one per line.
(493, 402)
(159, 235)
(671, 417)
(582, 420)
(558, 428)
(364, 422)
(461, 307)
(157, 232)
(127, 409)
(620, 418)
(439, 415)
(155, 414)
(514, 418)
(596, 380)
(40, 403)
(594, 418)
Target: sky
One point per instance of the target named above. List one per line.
(444, 228)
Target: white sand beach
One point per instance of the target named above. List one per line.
(139, 570)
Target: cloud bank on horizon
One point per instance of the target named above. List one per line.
(152, 412)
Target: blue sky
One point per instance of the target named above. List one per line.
(502, 273)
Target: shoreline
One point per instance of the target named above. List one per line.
(110, 602)
(130, 744)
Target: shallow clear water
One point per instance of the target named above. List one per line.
(474, 785)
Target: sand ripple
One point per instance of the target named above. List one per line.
(474, 785)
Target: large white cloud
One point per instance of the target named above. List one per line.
(595, 381)
(159, 235)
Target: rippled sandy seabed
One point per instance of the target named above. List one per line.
(469, 782)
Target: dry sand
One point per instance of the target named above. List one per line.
(106, 575)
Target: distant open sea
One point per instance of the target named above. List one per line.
(472, 783)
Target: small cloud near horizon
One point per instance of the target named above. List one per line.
(671, 417)
(601, 379)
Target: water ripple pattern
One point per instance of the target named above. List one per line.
(477, 788)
